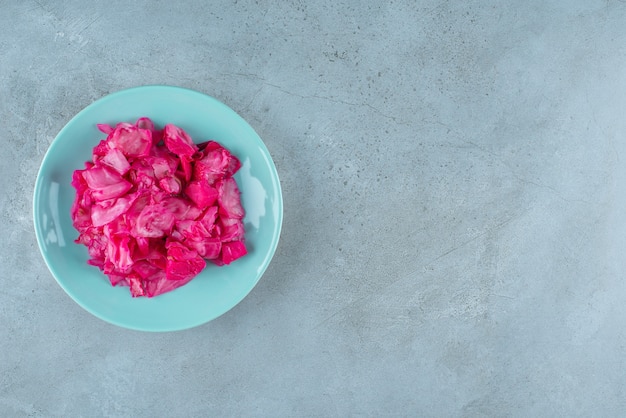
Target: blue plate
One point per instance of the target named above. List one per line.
(216, 289)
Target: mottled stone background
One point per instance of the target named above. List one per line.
(454, 227)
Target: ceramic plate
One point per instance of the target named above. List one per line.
(216, 289)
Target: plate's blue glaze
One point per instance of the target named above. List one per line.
(216, 289)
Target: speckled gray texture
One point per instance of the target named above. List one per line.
(454, 230)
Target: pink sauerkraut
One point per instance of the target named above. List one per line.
(152, 207)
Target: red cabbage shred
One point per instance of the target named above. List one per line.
(152, 207)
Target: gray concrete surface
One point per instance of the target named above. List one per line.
(454, 185)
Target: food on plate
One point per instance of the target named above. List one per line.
(152, 207)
